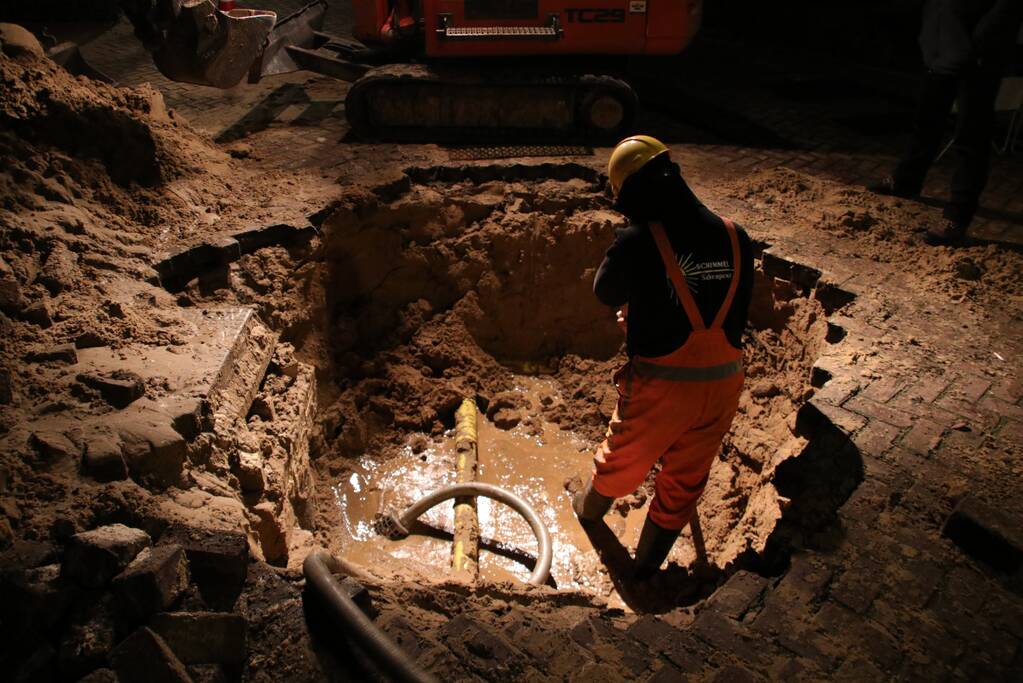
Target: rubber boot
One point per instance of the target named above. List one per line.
(589, 505)
(654, 545)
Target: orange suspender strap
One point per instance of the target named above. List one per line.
(675, 273)
(719, 320)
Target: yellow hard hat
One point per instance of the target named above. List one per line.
(630, 155)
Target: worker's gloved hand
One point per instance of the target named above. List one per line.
(622, 318)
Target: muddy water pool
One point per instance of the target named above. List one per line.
(534, 459)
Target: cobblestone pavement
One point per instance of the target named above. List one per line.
(933, 399)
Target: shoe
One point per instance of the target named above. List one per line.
(589, 505)
(949, 233)
(889, 187)
(654, 545)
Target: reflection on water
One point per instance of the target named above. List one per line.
(531, 460)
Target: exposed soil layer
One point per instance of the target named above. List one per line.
(447, 289)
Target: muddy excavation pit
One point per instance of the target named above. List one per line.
(476, 283)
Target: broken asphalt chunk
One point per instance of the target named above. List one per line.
(153, 450)
(94, 557)
(218, 560)
(102, 459)
(53, 445)
(117, 391)
(203, 637)
(144, 657)
(153, 581)
(60, 353)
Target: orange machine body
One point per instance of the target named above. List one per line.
(504, 28)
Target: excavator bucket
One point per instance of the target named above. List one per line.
(197, 43)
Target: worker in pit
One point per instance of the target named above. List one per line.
(681, 278)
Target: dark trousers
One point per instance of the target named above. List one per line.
(975, 92)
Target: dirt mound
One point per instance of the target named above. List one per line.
(886, 230)
(129, 131)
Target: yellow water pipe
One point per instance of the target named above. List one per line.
(465, 547)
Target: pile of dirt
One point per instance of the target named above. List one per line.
(885, 230)
(98, 184)
(129, 131)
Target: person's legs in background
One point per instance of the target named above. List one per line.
(972, 146)
(937, 95)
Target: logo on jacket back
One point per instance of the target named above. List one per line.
(694, 272)
(581, 15)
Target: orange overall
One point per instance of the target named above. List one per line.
(675, 408)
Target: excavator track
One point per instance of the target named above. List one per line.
(421, 103)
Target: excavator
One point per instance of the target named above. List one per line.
(434, 69)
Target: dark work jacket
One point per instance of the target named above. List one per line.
(960, 34)
(632, 273)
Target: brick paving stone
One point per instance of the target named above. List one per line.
(736, 674)
(1000, 407)
(926, 389)
(857, 587)
(688, 653)
(957, 444)
(866, 639)
(560, 657)
(855, 670)
(978, 418)
(837, 391)
(877, 437)
(913, 542)
(596, 672)
(868, 501)
(1009, 390)
(970, 388)
(879, 411)
(817, 413)
(805, 580)
(974, 628)
(652, 632)
(1011, 431)
(920, 637)
(734, 598)
(884, 389)
(978, 665)
(787, 627)
(927, 502)
(798, 670)
(730, 636)
(921, 669)
(475, 642)
(666, 674)
(1003, 611)
(886, 469)
(914, 580)
(924, 436)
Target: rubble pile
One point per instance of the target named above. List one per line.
(114, 605)
(120, 404)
